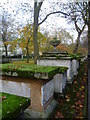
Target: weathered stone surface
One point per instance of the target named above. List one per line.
(75, 67)
(16, 88)
(78, 64)
(58, 62)
(60, 82)
(40, 92)
(41, 75)
(29, 113)
(47, 91)
(64, 79)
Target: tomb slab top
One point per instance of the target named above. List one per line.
(32, 71)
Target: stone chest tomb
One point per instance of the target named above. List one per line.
(39, 82)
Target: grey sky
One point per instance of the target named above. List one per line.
(52, 23)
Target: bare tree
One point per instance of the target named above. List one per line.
(8, 30)
(37, 7)
(4, 31)
(74, 12)
(79, 16)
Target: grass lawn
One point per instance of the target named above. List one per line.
(12, 105)
(23, 62)
(74, 103)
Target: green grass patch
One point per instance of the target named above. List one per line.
(12, 105)
(23, 62)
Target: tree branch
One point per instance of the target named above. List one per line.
(83, 27)
(51, 14)
(39, 6)
(77, 28)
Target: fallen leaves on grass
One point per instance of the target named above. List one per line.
(3, 98)
(59, 115)
(68, 100)
(60, 101)
(73, 106)
(75, 82)
(74, 98)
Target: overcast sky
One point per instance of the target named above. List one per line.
(52, 23)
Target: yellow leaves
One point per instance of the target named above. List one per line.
(67, 97)
(27, 33)
(82, 87)
(62, 47)
(68, 100)
(6, 43)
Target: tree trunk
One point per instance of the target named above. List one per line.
(6, 53)
(27, 55)
(27, 50)
(35, 33)
(77, 43)
(89, 64)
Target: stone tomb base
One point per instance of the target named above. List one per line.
(29, 113)
(41, 95)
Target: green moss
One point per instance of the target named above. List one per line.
(63, 69)
(76, 56)
(56, 58)
(62, 56)
(12, 105)
(29, 71)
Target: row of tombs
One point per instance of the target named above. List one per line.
(42, 86)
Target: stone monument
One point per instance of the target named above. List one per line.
(57, 58)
